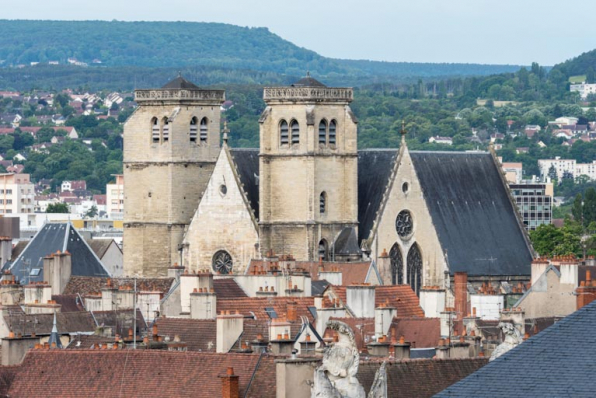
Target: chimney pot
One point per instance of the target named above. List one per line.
(279, 336)
(230, 371)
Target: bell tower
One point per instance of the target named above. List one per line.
(308, 169)
(171, 143)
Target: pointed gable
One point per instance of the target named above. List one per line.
(53, 237)
(472, 213)
(247, 167)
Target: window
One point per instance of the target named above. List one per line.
(154, 130)
(204, 129)
(322, 202)
(295, 132)
(397, 265)
(283, 132)
(414, 263)
(35, 271)
(166, 130)
(323, 132)
(323, 250)
(332, 129)
(222, 262)
(193, 129)
(271, 312)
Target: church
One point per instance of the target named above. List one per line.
(308, 192)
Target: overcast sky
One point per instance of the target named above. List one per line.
(475, 31)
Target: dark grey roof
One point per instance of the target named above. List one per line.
(181, 83)
(51, 238)
(346, 242)
(308, 82)
(374, 170)
(417, 353)
(470, 208)
(558, 362)
(99, 246)
(318, 287)
(247, 166)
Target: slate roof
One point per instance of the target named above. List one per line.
(67, 322)
(247, 166)
(474, 218)
(558, 362)
(138, 373)
(308, 81)
(374, 169)
(422, 378)
(99, 246)
(346, 242)
(18, 249)
(53, 237)
(318, 287)
(180, 83)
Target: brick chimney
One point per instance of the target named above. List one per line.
(229, 384)
(361, 300)
(586, 292)
(461, 297)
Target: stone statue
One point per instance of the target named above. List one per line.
(379, 386)
(336, 377)
(513, 338)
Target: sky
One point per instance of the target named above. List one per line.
(468, 31)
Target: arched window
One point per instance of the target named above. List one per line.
(323, 250)
(204, 129)
(397, 265)
(414, 264)
(323, 203)
(222, 262)
(154, 130)
(166, 130)
(332, 129)
(193, 129)
(283, 132)
(323, 132)
(295, 132)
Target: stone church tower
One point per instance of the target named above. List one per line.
(308, 170)
(171, 143)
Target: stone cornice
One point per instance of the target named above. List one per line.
(308, 94)
(158, 96)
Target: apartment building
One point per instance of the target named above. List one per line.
(535, 202)
(17, 194)
(115, 197)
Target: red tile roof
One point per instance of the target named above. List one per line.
(90, 284)
(352, 272)
(227, 288)
(401, 297)
(420, 332)
(198, 334)
(140, 373)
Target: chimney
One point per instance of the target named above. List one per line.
(361, 300)
(569, 272)
(57, 269)
(229, 328)
(203, 304)
(307, 346)
(282, 344)
(260, 345)
(229, 384)
(586, 292)
(175, 271)
(379, 348)
(191, 281)
(383, 318)
(516, 316)
(291, 311)
(401, 349)
(461, 295)
(539, 265)
(333, 276)
(384, 267)
(5, 250)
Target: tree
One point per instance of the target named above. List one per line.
(92, 212)
(552, 173)
(577, 211)
(57, 208)
(589, 208)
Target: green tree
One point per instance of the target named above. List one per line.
(545, 238)
(92, 212)
(589, 208)
(577, 211)
(57, 208)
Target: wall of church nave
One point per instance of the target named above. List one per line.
(409, 198)
(149, 249)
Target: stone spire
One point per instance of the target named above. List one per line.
(403, 132)
(55, 337)
(225, 133)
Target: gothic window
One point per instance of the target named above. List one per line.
(193, 129)
(204, 129)
(323, 251)
(166, 130)
(397, 265)
(323, 203)
(154, 130)
(414, 264)
(283, 132)
(403, 224)
(222, 262)
(295, 132)
(323, 132)
(332, 129)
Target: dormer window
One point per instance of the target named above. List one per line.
(166, 130)
(295, 132)
(193, 129)
(283, 133)
(204, 129)
(154, 130)
(323, 132)
(332, 130)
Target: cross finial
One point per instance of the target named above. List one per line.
(403, 130)
(225, 132)
(179, 73)
(307, 73)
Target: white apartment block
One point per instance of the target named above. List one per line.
(17, 194)
(583, 89)
(567, 165)
(115, 197)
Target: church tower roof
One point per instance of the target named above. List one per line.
(308, 81)
(180, 83)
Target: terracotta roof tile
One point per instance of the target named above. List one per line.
(352, 272)
(198, 334)
(401, 297)
(84, 285)
(420, 332)
(141, 373)
(227, 288)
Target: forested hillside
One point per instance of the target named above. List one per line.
(180, 44)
